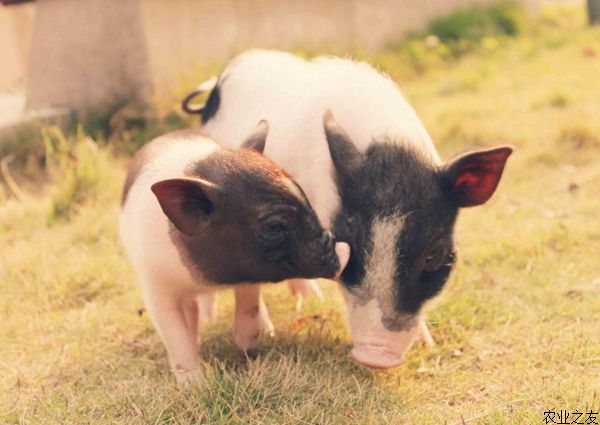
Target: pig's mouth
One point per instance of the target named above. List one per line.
(337, 260)
(333, 258)
(381, 349)
(376, 356)
(376, 346)
(330, 266)
(330, 262)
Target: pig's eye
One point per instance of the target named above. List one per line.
(437, 258)
(274, 231)
(275, 228)
(434, 259)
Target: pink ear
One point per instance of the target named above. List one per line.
(187, 202)
(475, 175)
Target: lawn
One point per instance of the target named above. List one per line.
(517, 327)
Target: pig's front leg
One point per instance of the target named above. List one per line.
(251, 317)
(303, 288)
(177, 324)
(266, 325)
(425, 334)
(207, 307)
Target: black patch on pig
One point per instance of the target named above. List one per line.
(398, 179)
(399, 322)
(212, 105)
(232, 249)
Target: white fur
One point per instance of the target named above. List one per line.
(171, 295)
(292, 95)
(380, 267)
(144, 228)
(373, 344)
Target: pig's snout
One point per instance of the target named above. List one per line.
(382, 349)
(342, 250)
(376, 357)
(339, 254)
(374, 345)
(327, 240)
(329, 258)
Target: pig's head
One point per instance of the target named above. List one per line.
(238, 217)
(398, 212)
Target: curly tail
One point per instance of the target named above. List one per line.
(204, 87)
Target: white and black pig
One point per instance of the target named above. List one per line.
(366, 163)
(197, 217)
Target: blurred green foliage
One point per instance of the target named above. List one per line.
(476, 22)
(81, 170)
(473, 29)
(127, 127)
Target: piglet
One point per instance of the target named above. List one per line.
(197, 218)
(366, 162)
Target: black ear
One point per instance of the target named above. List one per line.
(344, 154)
(188, 202)
(258, 137)
(474, 176)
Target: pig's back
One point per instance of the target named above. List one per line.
(281, 88)
(144, 229)
(292, 95)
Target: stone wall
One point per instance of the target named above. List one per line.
(16, 27)
(93, 52)
(87, 54)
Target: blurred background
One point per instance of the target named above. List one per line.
(83, 54)
(84, 83)
(103, 63)
(94, 55)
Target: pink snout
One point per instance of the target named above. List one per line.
(377, 356)
(342, 249)
(380, 348)
(374, 345)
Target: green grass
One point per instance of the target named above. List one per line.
(476, 22)
(479, 28)
(517, 327)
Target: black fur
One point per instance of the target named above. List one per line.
(396, 179)
(212, 105)
(245, 242)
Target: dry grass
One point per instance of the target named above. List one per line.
(517, 328)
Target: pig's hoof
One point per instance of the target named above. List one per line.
(187, 376)
(269, 331)
(250, 353)
(266, 326)
(247, 343)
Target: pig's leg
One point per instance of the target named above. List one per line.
(302, 288)
(425, 334)
(189, 308)
(169, 316)
(247, 322)
(207, 307)
(266, 325)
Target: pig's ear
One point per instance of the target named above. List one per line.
(187, 202)
(344, 154)
(474, 176)
(258, 138)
